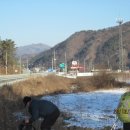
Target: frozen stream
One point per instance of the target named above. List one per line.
(92, 109)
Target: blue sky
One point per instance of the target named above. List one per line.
(52, 21)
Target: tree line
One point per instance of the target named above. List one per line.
(7, 53)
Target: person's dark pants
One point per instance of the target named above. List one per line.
(49, 120)
(126, 126)
(21, 126)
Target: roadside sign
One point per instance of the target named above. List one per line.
(74, 63)
(62, 65)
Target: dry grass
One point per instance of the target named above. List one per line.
(100, 81)
(10, 70)
(42, 85)
(104, 81)
(52, 84)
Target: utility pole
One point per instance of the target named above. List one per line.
(27, 64)
(65, 63)
(121, 49)
(52, 63)
(6, 62)
(84, 65)
(20, 65)
(54, 60)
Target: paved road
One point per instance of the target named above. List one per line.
(9, 79)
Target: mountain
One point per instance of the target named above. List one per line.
(31, 50)
(94, 48)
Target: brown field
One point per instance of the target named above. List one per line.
(11, 96)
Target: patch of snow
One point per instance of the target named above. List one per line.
(115, 90)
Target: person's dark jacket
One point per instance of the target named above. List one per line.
(41, 109)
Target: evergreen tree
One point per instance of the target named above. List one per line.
(7, 52)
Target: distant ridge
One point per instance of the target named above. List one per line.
(32, 49)
(97, 48)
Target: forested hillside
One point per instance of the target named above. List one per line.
(98, 48)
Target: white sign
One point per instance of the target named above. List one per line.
(74, 63)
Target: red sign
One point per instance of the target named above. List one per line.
(77, 67)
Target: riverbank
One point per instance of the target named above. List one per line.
(53, 84)
(11, 95)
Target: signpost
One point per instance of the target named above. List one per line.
(62, 65)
